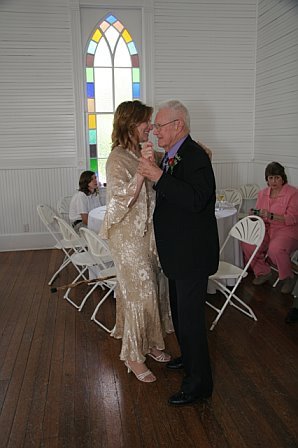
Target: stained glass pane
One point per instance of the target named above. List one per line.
(93, 151)
(132, 48)
(90, 89)
(91, 122)
(102, 55)
(112, 35)
(126, 36)
(89, 60)
(118, 25)
(136, 75)
(123, 91)
(135, 60)
(104, 26)
(136, 90)
(91, 105)
(122, 56)
(96, 36)
(93, 165)
(103, 89)
(111, 19)
(92, 47)
(89, 75)
(92, 137)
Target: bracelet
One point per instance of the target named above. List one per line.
(271, 215)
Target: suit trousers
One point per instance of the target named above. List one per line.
(187, 299)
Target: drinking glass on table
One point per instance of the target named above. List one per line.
(220, 200)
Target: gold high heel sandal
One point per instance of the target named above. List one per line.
(144, 377)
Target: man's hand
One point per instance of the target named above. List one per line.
(149, 169)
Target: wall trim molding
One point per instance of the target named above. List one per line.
(26, 241)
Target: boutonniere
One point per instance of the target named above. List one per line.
(173, 162)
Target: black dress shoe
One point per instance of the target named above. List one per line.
(181, 399)
(175, 363)
(292, 316)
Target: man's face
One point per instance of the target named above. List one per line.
(166, 129)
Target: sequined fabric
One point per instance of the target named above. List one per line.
(142, 300)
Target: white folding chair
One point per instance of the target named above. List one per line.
(251, 230)
(100, 253)
(63, 207)
(47, 215)
(233, 196)
(81, 259)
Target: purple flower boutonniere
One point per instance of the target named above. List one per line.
(173, 162)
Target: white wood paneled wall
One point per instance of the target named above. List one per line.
(21, 191)
(276, 108)
(205, 57)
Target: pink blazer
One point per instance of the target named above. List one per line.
(285, 204)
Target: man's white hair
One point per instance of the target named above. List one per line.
(178, 110)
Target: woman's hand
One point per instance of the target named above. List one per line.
(264, 213)
(147, 151)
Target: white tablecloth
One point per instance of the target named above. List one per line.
(95, 218)
(226, 218)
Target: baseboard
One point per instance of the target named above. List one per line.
(26, 241)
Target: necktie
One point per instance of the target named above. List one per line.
(165, 162)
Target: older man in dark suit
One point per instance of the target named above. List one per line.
(187, 241)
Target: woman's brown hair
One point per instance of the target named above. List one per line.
(85, 179)
(275, 169)
(128, 116)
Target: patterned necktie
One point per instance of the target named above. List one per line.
(165, 162)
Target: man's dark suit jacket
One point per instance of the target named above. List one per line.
(184, 217)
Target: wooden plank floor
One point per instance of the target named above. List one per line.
(62, 383)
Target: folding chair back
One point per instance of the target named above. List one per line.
(97, 247)
(233, 196)
(69, 234)
(63, 207)
(251, 230)
(47, 216)
(249, 191)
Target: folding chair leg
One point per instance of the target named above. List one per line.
(93, 317)
(66, 297)
(229, 300)
(88, 295)
(66, 261)
(276, 282)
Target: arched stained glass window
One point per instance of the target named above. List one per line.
(112, 76)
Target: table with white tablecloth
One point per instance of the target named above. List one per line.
(226, 218)
(96, 217)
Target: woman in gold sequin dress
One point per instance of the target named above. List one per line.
(142, 314)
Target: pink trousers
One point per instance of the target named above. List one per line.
(279, 248)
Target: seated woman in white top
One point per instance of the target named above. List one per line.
(84, 200)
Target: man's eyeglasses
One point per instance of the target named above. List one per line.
(158, 126)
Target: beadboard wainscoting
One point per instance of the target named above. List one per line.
(21, 191)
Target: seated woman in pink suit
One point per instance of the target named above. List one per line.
(278, 206)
